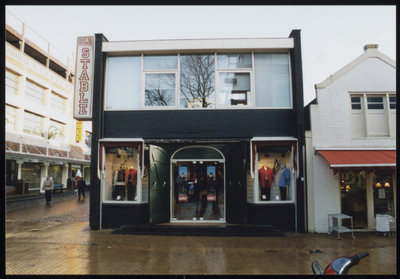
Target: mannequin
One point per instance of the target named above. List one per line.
(131, 182)
(284, 181)
(265, 176)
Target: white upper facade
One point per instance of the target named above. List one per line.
(356, 106)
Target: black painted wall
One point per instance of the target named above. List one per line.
(199, 124)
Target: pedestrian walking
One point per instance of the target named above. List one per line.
(81, 188)
(48, 186)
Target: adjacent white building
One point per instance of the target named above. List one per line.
(351, 143)
(41, 135)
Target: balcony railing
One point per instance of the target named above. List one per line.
(35, 38)
(32, 63)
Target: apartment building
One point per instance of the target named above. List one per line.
(41, 135)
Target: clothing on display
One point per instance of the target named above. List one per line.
(265, 176)
(131, 182)
(284, 181)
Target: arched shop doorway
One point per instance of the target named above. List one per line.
(198, 185)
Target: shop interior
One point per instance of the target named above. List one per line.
(198, 191)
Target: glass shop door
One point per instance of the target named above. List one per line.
(198, 191)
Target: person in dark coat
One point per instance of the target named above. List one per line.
(81, 188)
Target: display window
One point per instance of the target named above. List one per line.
(121, 172)
(55, 171)
(274, 172)
(383, 193)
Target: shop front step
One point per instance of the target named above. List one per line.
(198, 230)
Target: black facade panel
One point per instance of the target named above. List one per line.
(280, 216)
(115, 216)
(200, 124)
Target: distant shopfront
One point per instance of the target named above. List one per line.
(183, 133)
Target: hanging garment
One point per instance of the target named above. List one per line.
(265, 176)
(284, 179)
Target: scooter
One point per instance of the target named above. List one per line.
(338, 266)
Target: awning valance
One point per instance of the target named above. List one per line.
(360, 159)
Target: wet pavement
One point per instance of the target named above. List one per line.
(56, 239)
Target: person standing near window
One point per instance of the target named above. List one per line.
(48, 186)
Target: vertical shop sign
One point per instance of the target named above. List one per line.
(84, 78)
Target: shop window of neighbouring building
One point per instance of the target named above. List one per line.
(241, 80)
(121, 180)
(383, 193)
(373, 115)
(33, 124)
(12, 82)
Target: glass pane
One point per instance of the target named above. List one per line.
(272, 80)
(56, 130)
(33, 124)
(160, 90)
(375, 106)
(234, 60)
(392, 99)
(392, 106)
(121, 174)
(123, 82)
(375, 99)
(355, 99)
(160, 62)
(234, 89)
(356, 106)
(11, 118)
(197, 81)
(198, 193)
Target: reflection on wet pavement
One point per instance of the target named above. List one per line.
(43, 245)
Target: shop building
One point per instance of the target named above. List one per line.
(41, 135)
(351, 144)
(182, 130)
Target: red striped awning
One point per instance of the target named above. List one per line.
(343, 159)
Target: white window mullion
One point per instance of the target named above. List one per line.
(365, 104)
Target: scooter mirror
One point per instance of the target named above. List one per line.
(317, 269)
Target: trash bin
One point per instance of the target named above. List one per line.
(70, 184)
(19, 187)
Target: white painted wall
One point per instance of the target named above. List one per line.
(331, 118)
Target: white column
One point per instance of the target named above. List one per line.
(370, 201)
(44, 171)
(64, 175)
(19, 162)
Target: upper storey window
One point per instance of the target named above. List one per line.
(373, 115)
(198, 81)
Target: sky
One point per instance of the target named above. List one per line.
(331, 36)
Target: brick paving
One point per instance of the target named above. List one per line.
(59, 241)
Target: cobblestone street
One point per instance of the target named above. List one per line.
(56, 239)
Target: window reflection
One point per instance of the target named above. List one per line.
(234, 89)
(234, 60)
(197, 85)
(160, 90)
(160, 62)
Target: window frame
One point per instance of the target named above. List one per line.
(217, 71)
(366, 112)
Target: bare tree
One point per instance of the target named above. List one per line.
(159, 90)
